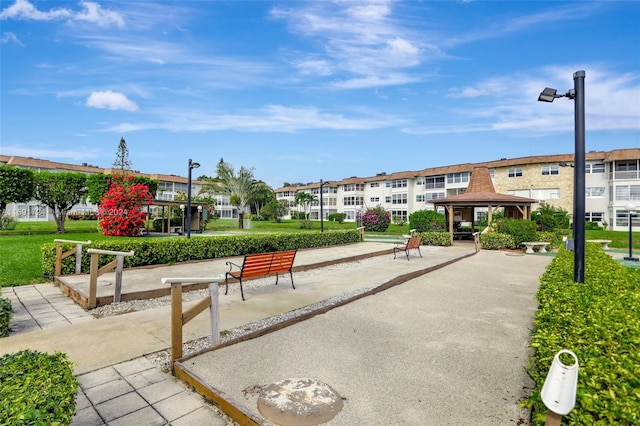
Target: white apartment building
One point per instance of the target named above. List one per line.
(612, 181)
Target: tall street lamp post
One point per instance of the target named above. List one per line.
(631, 209)
(192, 166)
(322, 184)
(577, 94)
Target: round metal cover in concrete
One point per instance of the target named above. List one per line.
(299, 402)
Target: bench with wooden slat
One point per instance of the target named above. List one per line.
(261, 264)
(413, 243)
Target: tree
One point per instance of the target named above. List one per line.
(238, 186)
(60, 191)
(120, 212)
(122, 156)
(274, 209)
(304, 199)
(262, 194)
(16, 186)
(98, 185)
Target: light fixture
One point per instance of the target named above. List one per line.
(579, 166)
(192, 165)
(631, 209)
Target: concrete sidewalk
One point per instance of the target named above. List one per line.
(120, 386)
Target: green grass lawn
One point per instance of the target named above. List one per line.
(20, 249)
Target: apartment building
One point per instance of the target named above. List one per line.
(169, 186)
(612, 181)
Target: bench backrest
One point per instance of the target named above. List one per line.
(282, 261)
(414, 242)
(256, 264)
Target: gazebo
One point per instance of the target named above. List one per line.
(460, 209)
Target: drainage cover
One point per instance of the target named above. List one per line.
(299, 402)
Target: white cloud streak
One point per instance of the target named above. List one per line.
(90, 12)
(110, 100)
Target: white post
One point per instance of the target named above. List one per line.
(118, 289)
(78, 258)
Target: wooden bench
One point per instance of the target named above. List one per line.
(604, 243)
(413, 243)
(530, 245)
(261, 264)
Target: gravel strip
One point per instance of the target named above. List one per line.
(161, 359)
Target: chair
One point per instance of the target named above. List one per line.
(413, 243)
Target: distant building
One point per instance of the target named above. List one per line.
(612, 180)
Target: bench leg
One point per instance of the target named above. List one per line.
(530, 249)
(241, 291)
(543, 249)
(291, 275)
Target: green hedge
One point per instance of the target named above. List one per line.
(158, 251)
(435, 238)
(496, 241)
(37, 389)
(6, 312)
(600, 322)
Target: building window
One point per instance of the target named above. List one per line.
(387, 184)
(399, 183)
(398, 215)
(492, 173)
(458, 177)
(353, 201)
(387, 199)
(627, 192)
(550, 170)
(353, 187)
(374, 199)
(434, 195)
(594, 168)
(434, 182)
(419, 181)
(593, 216)
(515, 172)
(399, 199)
(626, 166)
(374, 184)
(420, 198)
(594, 192)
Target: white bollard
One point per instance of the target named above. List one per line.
(559, 389)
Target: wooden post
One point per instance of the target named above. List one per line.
(60, 255)
(78, 258)
(553, 419)
(214, 312)
(93, 280)
(118, 288)
(58, 269)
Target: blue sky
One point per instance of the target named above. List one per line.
(302, 91)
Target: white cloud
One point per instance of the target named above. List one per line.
(9, 37)
(91, 12)
(76, 155)
(110, 100)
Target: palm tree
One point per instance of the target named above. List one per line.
(238, 186)
(304, 199)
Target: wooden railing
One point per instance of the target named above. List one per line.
(62, 255)
(180, 318)
(95, 272)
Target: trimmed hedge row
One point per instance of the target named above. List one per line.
(158, 251)
(600, 322)
(6, 312)
(497, 241)
(435, 238)
(37, 389)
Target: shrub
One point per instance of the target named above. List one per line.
(399, 220)
(376, 219)
(337, 217)
(435, 238)
(158, 251)
(305, 224)
(6, 312)
(520, 229)
(592, 226)
(120, 210)
(298, 215)
(8, 223)
(599, 320)
(37, 389)
(427, 220)
(74, 216)
(496, 241)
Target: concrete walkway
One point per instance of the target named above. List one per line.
(120, 386)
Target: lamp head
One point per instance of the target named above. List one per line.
(193, 165)
(181, 206)
(548, 95)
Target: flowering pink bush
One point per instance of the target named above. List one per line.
(376, 219)
(120, 212)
